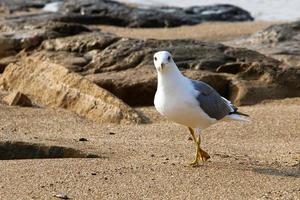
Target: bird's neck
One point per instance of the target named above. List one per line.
(170, 79)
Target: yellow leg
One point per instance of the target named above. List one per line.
(200, 153)
(195, 162)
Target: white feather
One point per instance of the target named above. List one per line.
(236, 117)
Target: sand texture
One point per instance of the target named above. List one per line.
(256, 160)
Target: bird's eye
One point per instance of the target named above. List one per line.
(155, 58)
(169, 58)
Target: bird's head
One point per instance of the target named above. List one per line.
(163, 61)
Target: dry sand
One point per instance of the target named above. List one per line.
(216, 31)
(256, 160)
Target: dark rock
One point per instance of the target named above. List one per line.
(22, 5)
(12, 43)
(119, 14)
(30, 36)
(83, 139)
(81, 43)
(281, 42)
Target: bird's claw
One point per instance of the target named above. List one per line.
(194, 163)
(203, 156)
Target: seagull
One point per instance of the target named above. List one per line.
(191, 103)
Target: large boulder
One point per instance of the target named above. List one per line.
(278, 41)
(53, 85)
(124, 66)
(119, 14)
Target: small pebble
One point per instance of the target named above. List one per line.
(83, 139)
(190, 138)
(61, 196)
(94, 173)
(112, 133)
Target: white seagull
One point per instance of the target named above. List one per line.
(191, 103)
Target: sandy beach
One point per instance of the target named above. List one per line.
(259, 159)
(215, 31)
(255, 160)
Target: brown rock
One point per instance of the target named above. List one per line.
(53, 85)
(124, 66)
(17, 99)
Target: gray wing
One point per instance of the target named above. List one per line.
(211, 101)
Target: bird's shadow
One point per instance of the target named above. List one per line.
(267, 169)
(285, 172)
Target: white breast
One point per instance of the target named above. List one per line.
(179, 104)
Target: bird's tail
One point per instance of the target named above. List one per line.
(237, 117)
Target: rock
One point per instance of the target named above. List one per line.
(31, 36)
(12, 43)
(61, 196)
(53, 85)
(278, 41)
(83, 139)
(81, 43)
(119, 14)
(115, 13)
(17, 99)
(21, 5)
(124, 66)
(5, 61)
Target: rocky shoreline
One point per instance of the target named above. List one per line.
(119, 14)
(123, 66)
